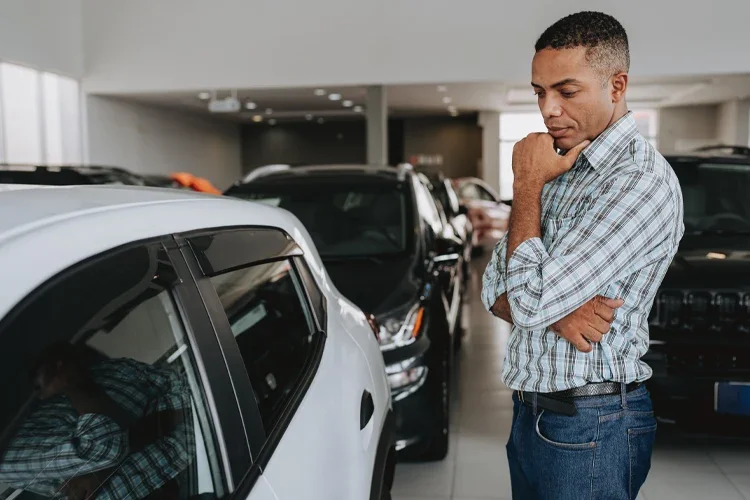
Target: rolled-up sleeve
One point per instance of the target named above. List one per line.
(621, 232)
(493, 279)
(47, 452)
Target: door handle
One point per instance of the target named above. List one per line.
(366, 409)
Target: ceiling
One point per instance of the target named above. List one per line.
(434, 99)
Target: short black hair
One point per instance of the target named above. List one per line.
(601, 34)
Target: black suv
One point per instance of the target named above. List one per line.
(700, 321)
(380, 236)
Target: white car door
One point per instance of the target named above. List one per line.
(310, 381)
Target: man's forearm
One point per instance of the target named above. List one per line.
(525, 217)
(501, 308)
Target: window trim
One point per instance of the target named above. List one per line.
(262, 444)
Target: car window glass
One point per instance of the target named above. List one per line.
(469, 191)
(108, 402)
(426, 206)
(273, 329)
(370, 219)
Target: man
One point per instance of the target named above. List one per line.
(104, 428)
(597, 217)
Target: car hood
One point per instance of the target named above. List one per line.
(374, 285)
(711, 262)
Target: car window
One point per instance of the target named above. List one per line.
(426, 205)
(106, 400)
(273, 328)
(370, 219)
(469, 191)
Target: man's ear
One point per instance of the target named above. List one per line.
(619, 85)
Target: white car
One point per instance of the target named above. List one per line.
(180, 346)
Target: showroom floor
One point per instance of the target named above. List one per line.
(476, 468)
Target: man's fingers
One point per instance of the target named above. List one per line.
(580, 343)
(601, 325)
(591, 334)
(612, 303)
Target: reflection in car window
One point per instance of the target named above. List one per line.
(715, 196)
(273, 329)
(112, 406)
(469, 191)
(369, 220)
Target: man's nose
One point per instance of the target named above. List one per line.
(550, 108)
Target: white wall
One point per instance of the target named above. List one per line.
(687, 127)
(146, 139)
(43, 34)
(166, 45)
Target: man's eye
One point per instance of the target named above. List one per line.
(568, 95)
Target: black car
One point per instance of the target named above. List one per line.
(65, 175)
(455, 212)
(700, 321)
(379, 234)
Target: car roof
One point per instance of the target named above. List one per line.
(46, 229)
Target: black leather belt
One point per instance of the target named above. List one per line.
(563, 401)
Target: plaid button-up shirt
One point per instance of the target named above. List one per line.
(55, 444)
(610, 226)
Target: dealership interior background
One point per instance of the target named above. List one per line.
(219, 89)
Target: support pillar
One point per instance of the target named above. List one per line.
(377, 125)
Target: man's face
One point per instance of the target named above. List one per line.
(574, 103)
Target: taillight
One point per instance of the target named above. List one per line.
(374, 326)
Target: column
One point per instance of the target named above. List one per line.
(490, 172)
(734, 123)
(377, 125)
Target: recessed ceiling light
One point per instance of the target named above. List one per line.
(320, 92)
(442, 88)
(348, 103)
(204, 96)
(308, 117)
(321, 120)
(257, 118)
(250, 105)
(358, 109)
(334, 97)
(269, 111)
(272, 121)
(447, 100)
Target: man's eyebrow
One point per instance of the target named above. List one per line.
(561, 83)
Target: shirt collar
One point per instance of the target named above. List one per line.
(608, 147)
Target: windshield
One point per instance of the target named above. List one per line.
(343, 220)
(715, 196)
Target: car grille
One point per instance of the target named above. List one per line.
(716, 310)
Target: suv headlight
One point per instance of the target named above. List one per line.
(400, 327)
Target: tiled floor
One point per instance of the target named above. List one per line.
(476, 468)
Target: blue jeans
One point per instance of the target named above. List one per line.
(603, 452)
